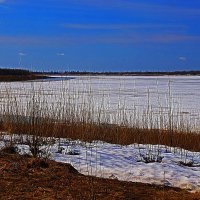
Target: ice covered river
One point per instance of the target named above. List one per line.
(158, 101)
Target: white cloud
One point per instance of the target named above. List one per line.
(60, 54)
(121, 26)
(182, 58)
(21, 54)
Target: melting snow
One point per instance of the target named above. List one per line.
(127, 163)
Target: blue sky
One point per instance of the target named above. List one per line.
(100, 35)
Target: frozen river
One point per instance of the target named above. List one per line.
(148, 101)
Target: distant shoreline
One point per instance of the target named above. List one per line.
(12, 75)
(72, 73)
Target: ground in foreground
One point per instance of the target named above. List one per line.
(24, 177)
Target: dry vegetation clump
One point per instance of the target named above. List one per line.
(114, 134)
(9, 150)
(24, 177)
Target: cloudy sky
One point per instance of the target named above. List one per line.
(100, 35)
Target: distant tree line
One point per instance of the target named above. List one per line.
(14, 72)
(22, 72)
(8, 75)
(121, 73)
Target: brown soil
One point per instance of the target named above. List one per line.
(24, 177)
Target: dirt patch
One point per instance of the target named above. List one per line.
(23, 177)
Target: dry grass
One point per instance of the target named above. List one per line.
(115, 134)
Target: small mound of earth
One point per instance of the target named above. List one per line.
(24, 177)
(38, 163)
